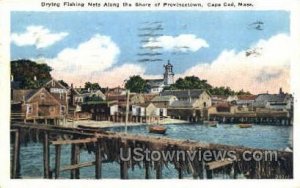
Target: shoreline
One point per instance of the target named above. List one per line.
(108, 124)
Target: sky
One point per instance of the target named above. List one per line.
(246, 50)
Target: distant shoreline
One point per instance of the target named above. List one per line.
(108, 124)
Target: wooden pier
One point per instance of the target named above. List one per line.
(106, 147)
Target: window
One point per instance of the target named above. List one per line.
(29, 109)
(42, 96)
(61, 96)
(62, 109)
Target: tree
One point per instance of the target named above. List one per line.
(242, 92)
(30, 74)
(225, 91)
(190, 82)
(136, 84)
(63, 83)
(92, 86)
(193, 82)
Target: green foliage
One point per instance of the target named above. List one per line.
(193, 82)
(136, 84)
(63, 83)
(242, 92)
(92, 86)
(24, 71)
(225, 91)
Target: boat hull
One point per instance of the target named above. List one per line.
(157, 129)
(245, 126)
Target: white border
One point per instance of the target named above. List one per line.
(34, 5)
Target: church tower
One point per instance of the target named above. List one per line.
(168, 75)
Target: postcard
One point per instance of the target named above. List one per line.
(186, 91)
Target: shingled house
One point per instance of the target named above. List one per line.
(38, 106)
(280, 101)
(191, 104)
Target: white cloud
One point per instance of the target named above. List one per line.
(117, 75)
(266, 71)
(181, 43)
(97, 54)
(37, 36)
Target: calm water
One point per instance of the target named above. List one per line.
(259, 136)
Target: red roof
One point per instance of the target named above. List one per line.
(247, 97)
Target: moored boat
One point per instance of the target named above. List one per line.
(245, 125)
(158, 129)
(210, 123)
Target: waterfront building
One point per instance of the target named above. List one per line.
(280, 101)
(195, 98)
(38, 105)
(164, 101)
(245, 100)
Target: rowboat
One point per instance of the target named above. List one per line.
(244, 125)
(210, 123)
(157, 129)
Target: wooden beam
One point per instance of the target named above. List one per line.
(76, 166)
(98, 165)
(16, 156)
(123, 164)
(57, 160)
(75, 158)
(158, 170)
(147, 170)
(218, 164)
(77, 141)
(46, 156)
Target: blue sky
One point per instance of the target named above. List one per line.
(221, 31)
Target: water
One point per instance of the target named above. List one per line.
(259, 136)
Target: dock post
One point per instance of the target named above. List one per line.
(75, 157)
(46, 156)
(158, 170)
(98, 165)
(147, 174)
(123, 164)
(57, 160)
(16, 157)
(209, 174)
(180, 175)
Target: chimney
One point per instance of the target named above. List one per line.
(72, 85)
(280, 91)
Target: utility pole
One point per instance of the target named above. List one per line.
(127, 110)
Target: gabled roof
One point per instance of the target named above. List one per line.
(193, 93)
(262, 99)
(45, 90)
(271, 97)
(19, 95)
(166, 98)
(56, 84)
(247, 97)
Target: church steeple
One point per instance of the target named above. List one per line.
(168, 75)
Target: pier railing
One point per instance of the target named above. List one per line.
(111, 147)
